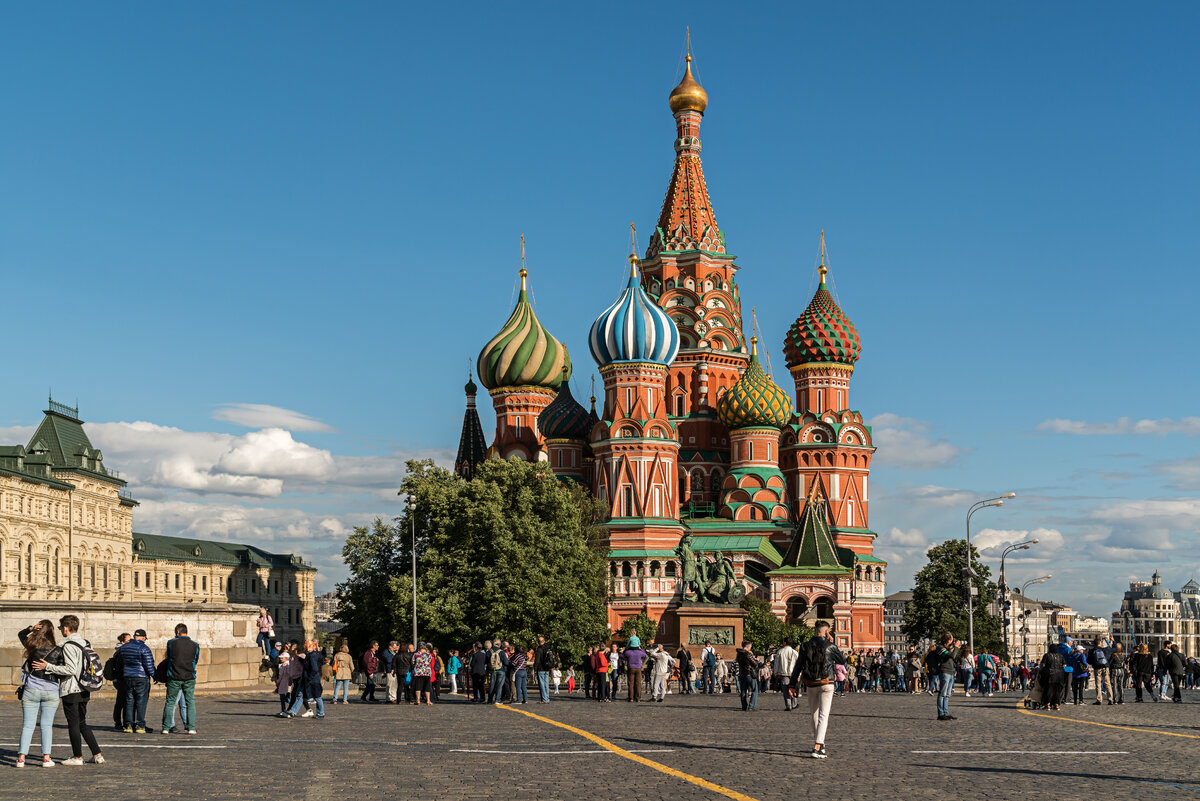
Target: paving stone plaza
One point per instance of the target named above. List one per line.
(698, 747)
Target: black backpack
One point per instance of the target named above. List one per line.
(551, 660)
(816, 669)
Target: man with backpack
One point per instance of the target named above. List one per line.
(816, 665)
(941, 662)
(81, 674)
(708, 661)
(182, 655)
(497, 662)
(986, 667)
(544, 661)
(137, 669)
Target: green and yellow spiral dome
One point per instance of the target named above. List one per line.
(523, 354)
(755, 400)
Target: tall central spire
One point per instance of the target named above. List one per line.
(687, 221)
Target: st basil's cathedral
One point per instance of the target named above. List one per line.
(694, 436)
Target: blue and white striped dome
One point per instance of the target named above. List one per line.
(634, 329)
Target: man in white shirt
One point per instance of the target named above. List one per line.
(663, 663)
(785, 660)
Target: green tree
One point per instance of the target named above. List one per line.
(642, 625)
(764, 630)
(511, 552)
(939, 601)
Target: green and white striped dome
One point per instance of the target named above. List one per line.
(524, 354)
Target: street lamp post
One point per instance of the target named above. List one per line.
(412, 515)
(1002, 588)
(1025, 626)
(975, 507)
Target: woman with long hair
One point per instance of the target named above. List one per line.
(38, 691)
(1141, 668)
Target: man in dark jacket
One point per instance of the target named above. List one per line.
(387, 664)
(816, 666)
(403, 667)
(1163, 668)
(112, 672)
(370, 666)
(137, 669)
(477, 665)
(542, 658)
(182, 655)
(747, 665)
(1177, 669)
(684, 658)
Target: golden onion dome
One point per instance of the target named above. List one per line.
(755, 400)
(689, 95)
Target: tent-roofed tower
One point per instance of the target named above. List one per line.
(690, 274)
(472, 447)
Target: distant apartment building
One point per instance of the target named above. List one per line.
(894, 605)
(326, 606)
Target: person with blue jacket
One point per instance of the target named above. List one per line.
(1066, 645)
(137, 669)
(1079, 674)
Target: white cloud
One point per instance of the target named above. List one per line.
(16, 435)
(1184, 473)
(261, 415)
(273, 452)
(1187, 426)
(903, 443)
(992, 541)
(941, 497)
(910, 538)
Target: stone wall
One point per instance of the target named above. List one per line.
(229, 657)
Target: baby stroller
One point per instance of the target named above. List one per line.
(1034, 699)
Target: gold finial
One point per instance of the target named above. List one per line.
(822, 258)
(524, 272)
(593, 393)
(633, 259)
(753, 346)
(689, 95)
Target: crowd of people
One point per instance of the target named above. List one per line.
(66, 672)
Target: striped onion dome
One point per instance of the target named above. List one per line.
(634, 329)
(755, 400)
(564, 417)
(823, 333)
(523, 354)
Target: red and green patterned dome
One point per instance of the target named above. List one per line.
(822, 334)
(755, 400)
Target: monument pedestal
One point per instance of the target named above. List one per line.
(719, 623)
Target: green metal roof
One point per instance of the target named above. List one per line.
(833, 570)
(741, 543)
(638, 553)
(67, 445)
(210, 552)
(812, 546)
(862, 558)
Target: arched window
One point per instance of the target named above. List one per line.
(612, 568)
(878, 574)
(824, 608)
(670, 570)
(753, 513)
(655, 568)
(715, 482)
(29, 564)
(626, 569)
(56, 567)
(797, 611)
(697, 482)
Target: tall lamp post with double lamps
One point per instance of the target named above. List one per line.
(975, 507)
(1025, 613)
(1002, 588)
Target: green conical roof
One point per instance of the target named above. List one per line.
(813, 545)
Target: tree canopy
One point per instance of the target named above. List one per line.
(512, 553)
(939, 601)
(764, 630)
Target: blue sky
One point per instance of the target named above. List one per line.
(259, 243)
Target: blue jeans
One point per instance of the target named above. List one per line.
(749, 690)
(708, 682)
(137, 694)
(543, 677)
(519, 694)
(264, 642)
(344, 686)
(945, 685)
(175, 689)
(497, 686)
(968, 679)
(33, 702)
(303, 699)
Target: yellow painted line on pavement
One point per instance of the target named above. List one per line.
(650, 763)
(1021, 708)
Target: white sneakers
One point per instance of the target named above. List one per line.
(72, 761)
(97, 759)
(308, 713)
